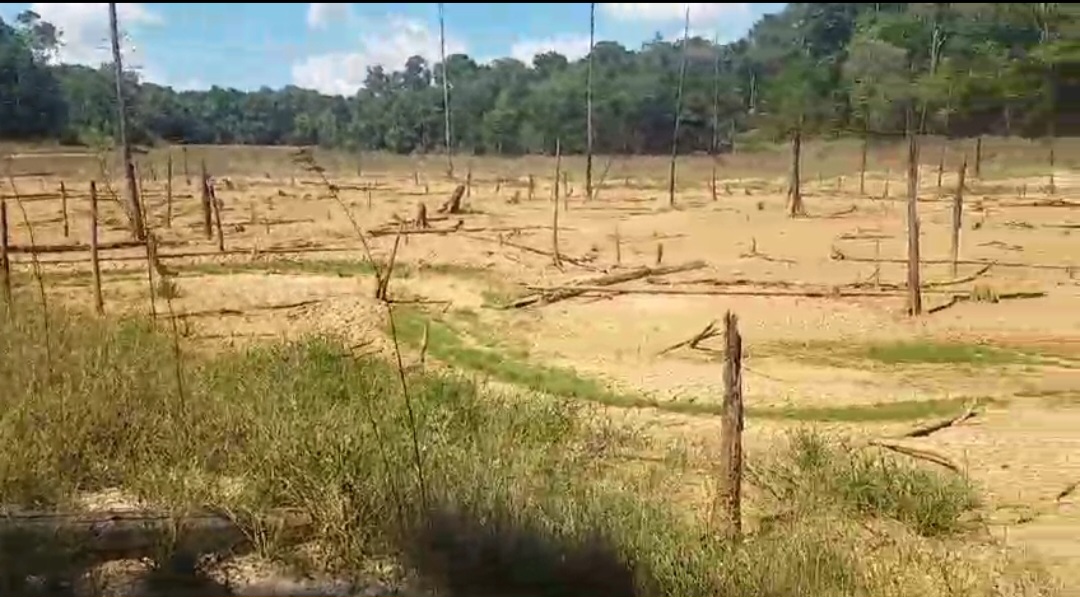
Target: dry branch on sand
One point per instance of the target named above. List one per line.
(72, 248)
(837, 255)
(932, 428)
(578, 261)
(233, 311)
(919, 453)
(710, 331)
(941, 284)
(1006, 296)
(569, 291)
(551, 295)
(923, 453)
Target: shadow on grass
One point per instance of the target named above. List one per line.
(498, 553)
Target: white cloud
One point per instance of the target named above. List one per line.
(571, 46)
(701, 13)
(322, 14)
(85, 29)
(388, 42)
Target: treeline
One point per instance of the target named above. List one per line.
(828, 69)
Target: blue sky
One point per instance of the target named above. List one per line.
(329, 46)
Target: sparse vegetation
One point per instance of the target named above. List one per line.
(308, 426)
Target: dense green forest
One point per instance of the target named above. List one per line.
(812, 69)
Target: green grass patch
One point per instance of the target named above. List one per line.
(813, 472)
(915, 352)
(902, 410)
(466, 343)
(906, 352)
(343, 268)
(448, 343)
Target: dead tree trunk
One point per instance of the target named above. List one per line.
(64, 209)
(207, 222)
(957, 217)
(168, 191)
(446, 95)
(914, 278)
(5, 260)
(797, 207)
(589, 106)
(678, 110)
(978, 157)
(555, 209)
(129, 168)
(862, 160)
(95, 265)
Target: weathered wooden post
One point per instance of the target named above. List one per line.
(729, 506)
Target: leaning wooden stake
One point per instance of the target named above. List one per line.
(216, 204)
(978, 157)
(618, 246)
(168, 191)
(914, 280)
(862, 160)
(796, 207)
(187, 173)
(64, 209)
(957, 217)
(729, 505)
(206, 202)
(555, 209)
(5, 261)
(95, 265)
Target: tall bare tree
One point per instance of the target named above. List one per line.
(134, 207)
(445, 92)
(588, 105)
(678, 109)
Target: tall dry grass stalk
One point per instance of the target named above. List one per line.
(307, 159)
(35, 263)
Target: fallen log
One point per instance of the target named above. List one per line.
(96, 537)
(953, 282)
(44, 249)
(580, 262)
(824, 293)
(710, 331)
(836, 255)
(554, 294)
(195, 254)
(234, 311)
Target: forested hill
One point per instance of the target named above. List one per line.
(825, 68)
